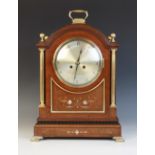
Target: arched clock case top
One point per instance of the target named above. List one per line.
(71, 34)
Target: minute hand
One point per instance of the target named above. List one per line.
(77, 63)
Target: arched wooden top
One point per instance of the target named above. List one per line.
(76, 31)
(80, 27)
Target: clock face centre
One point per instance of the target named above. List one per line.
(78, 62)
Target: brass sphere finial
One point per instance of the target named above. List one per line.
(46, 37)
(42, 35)
(113, 36)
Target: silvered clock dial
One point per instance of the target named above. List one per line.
(78, 62)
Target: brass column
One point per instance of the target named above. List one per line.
(42, 104)
(113, 77)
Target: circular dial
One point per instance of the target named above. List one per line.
(78, 62)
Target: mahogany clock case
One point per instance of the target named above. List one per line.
(48, 16)
(97, 119)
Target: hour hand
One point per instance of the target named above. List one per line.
(77, 63)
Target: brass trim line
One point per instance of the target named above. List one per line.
(51, 100)
(51, 94)
(77, 92)
(41, 50)
(113, 77)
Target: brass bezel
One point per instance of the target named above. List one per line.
(101, 62)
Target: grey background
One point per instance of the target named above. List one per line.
(47, 16)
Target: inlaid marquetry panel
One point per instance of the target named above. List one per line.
(63, 101)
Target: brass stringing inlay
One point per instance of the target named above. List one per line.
(51, 99)
(76, 132)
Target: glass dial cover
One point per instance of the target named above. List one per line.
(78, 62)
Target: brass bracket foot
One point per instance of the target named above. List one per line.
(118, 139)
(36, 138)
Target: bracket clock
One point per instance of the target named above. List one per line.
(77, 83)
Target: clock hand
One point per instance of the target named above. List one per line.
(77, 63)
(79, 56)
(76, 70)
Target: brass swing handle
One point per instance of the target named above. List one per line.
(78, 20)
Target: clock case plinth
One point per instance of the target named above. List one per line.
(77, 125)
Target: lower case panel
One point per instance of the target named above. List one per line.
(62, 101)
(78, 130)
